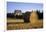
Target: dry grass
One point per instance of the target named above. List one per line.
(19, 26)
(14, 20)
(34, 23)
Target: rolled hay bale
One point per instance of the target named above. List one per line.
(35, 22)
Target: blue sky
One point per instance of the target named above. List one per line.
(11, 6)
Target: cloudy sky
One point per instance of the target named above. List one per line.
(11, 6)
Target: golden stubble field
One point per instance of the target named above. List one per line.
(19, 23)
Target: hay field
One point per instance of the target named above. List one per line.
(19, 23)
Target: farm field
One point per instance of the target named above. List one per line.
(13, 24)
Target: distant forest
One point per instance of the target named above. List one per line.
(25, 16)
(11, 15)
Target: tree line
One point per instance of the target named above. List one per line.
(25, 16)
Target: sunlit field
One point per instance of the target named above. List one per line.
(35, 23)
